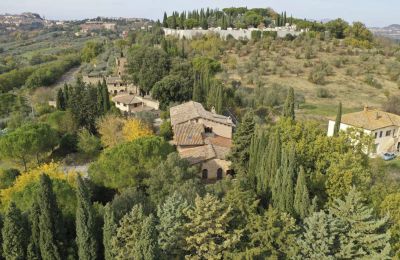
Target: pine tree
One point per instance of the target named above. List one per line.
(288, 109)
(14, 234)
(85, 223)
(362, 235)
(136, 236)
(34, 242)
(164, 23)
(171, 225)
(272, 235)
(50, 224)
(240, 151)
(148, 245)
(301, 197)
(209, 236)
(338, 120)
(109, 230)
(320, 237)
(60, 102)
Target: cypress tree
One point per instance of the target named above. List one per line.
(338, 120)
(283, 191)
(284, 19)
(240, 151)
(100, 99)
(60, 102)
(109, 230)
(66, 93)
(85, 223)
(164, 23)
(196, 96)
(301, 198)
(288, 109)
(34, 243)
(14, 234)
(105, 97)
(50, 224)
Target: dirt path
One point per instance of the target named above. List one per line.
(66, 78)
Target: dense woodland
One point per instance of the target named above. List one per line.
(296, 193)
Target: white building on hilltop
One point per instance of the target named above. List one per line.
(382, 126)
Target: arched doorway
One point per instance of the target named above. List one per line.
(219, 174)
(204, 174)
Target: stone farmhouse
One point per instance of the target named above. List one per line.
(115, 84)
(382, 126)
(203, 138)
(94, 25)
(130, 104)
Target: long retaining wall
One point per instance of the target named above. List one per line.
(236, 34)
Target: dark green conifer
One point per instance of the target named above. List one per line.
(60, 102)
(338, 120)
(240, 151)
(85, 223)
(34, 242)
(288, 109)
(164, 23)
(301, 197)
(14, 234)
(105, 97)
(109, 230)
(50, 223)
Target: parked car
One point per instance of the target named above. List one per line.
(388, 156)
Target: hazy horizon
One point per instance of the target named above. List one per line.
(372, 13)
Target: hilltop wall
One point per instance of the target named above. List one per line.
(236, 34)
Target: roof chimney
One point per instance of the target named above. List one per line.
(365, 108)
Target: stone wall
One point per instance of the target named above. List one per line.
(236, 34)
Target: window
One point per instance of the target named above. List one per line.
(388, 133)
(376, 135)
(204, 174)
(208, 130)
(219, 174)
(380, 134)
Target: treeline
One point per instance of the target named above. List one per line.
(229, 17)
(39, 75)
(48, 73)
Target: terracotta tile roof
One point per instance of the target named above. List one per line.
(192, 110)
(189, 134)
(198, 154)
(218, 141)
(371, 119)
(126, 99)
(205, 152)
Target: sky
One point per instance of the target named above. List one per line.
(371, 12)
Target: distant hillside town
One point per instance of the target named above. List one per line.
(391, 31)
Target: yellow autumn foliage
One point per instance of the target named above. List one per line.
(134, 129)
(52, 169)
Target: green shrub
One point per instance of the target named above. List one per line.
(370, 80)
(323, 93)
